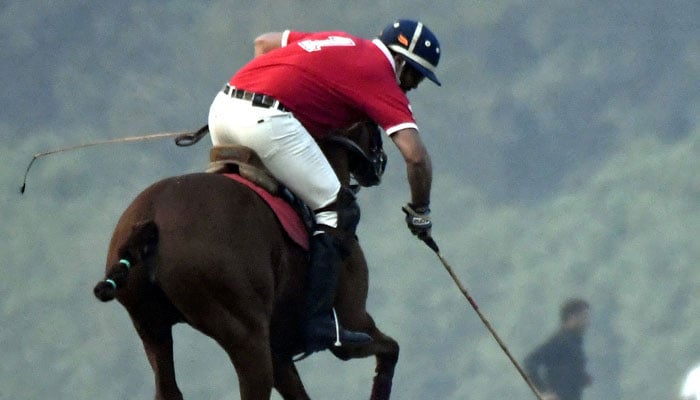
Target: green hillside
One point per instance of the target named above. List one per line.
(565, 142)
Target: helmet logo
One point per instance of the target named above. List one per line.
(402, 39)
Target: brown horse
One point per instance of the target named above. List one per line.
(206, 250)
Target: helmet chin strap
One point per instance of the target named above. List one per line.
(399, 70)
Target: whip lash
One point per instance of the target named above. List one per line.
(181, 139)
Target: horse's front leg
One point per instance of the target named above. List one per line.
(158, 343)
(351, 307)
(386, 351)
(387, 354)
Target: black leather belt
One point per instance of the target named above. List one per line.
(257, 99)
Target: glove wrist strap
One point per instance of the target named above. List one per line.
(420, 208)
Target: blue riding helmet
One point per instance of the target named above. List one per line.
(416, 43)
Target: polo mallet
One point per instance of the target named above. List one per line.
(181, 139)
(431, 243)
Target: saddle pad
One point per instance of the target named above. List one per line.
(289, 218)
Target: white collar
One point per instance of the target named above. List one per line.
(388, 55)
(386, 52)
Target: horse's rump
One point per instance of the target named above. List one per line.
(216, 239)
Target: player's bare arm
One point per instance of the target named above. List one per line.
(418, 165)
(267, 42)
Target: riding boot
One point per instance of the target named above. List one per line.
(322, 329)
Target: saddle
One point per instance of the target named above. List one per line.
(366, 167)
(235, 159)
(244, 162)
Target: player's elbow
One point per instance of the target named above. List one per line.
(411, 147)
(266, 42)
(417, 156)
(259, 45)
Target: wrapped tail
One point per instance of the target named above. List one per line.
(140, 244)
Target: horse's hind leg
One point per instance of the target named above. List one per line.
(157, 339)
(287, 381)
(244, 335)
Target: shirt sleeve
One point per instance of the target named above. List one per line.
(388, 106)
(393, 129)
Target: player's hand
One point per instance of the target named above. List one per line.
(418, 220)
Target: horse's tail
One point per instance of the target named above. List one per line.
(140, 244)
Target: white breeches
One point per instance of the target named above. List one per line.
(285, 147)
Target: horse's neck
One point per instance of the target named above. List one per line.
(338, 158)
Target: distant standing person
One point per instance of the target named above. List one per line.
(558, 366)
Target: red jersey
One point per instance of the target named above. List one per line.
(330, 80)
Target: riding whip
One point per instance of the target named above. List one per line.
(431, 243)
(181, 139)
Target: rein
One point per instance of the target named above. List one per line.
(367, 169)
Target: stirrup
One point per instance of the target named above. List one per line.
(337, 342)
